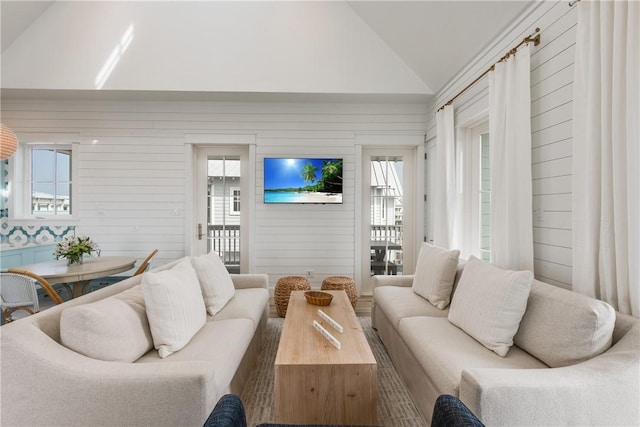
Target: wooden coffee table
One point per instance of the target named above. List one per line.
(314, 381)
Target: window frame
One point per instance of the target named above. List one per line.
(20, 168)
(232, 200)
(469, 158)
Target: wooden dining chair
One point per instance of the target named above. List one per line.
(18, 291)
(146, 263)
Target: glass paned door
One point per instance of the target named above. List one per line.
(223, 209)
(221, 201)
(386, 233)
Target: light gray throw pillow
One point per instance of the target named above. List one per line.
(435, 274)
(489, 303)
(563, 328)
(113, 329)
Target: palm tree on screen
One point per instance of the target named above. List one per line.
(309, 172)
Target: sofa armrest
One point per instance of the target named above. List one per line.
(37, 372)
(245, 281)
(604, 390)
(404, 281)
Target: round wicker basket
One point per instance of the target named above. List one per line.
(284, 286)
(343, 283)
(318, 298)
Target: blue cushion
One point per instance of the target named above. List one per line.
(449, 411)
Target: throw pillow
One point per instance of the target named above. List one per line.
(215, 281)
(175, 308)
(112, 329)
(489, 303)
(582, 326)
(435, 273)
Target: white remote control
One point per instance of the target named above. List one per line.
(332, 322)
(327, 335)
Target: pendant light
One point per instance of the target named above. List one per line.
(8, 142)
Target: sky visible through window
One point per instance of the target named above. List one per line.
(50, 167)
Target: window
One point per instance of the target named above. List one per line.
(50, 180)
(234, 201)
(473, 192)
(485, 199)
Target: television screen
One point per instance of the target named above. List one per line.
(302, 180)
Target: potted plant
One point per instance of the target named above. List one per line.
(73, 249)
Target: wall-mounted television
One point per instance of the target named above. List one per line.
(302, 180)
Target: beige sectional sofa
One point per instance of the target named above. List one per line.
(574, 361)
(46, 383)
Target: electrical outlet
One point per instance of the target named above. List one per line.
(309, 273)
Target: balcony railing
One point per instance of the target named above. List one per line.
(392, 233)
(392, 262)
(225, 241)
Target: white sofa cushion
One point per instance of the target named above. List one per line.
(112, 329)
(246, 304)
(435, 273)
(398, 302)
(489, 303)
(444, 351)
(175, 308)
(206, 348)
(582, 326)
(215, 281)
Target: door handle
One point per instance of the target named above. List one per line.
(199, 231)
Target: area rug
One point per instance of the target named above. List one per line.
(395, 406)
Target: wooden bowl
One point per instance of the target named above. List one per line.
(318, 298)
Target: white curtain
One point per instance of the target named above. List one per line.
(510, 160)
(606, 159)
(444, 210)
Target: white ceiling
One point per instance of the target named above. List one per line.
(17, 16)
(438, 38)
(435, 39)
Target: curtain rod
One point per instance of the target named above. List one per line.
(535, 38)
(572, 3)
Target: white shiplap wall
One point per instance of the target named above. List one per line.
(133, 171)
(551, 115)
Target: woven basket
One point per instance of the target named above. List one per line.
(318, 298)
(284, 286)
(341, 283)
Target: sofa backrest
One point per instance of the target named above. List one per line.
(562, 327)
(49, 320)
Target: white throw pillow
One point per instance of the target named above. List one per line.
(435, 273)
(489, 303)
(175, 308)
(113, 329)
(215, 281)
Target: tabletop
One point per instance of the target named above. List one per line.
(384, 244)
(80, 274)
(91, 268)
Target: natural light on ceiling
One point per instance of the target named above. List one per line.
(114, 58)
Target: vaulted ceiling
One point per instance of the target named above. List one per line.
(373, 47)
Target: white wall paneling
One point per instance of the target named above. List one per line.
(136, 162)
(551, 115)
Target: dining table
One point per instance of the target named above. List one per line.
(379, 265)
(381, 246)
(77, 277)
